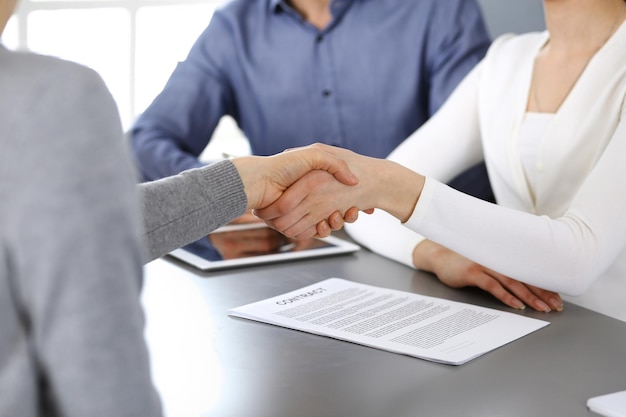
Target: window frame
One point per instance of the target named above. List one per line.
(25, 7)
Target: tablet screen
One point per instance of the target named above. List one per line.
(254, 243)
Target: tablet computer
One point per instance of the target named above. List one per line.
(240, 245)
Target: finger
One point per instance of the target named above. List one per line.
(334, 165)
(323, 229)
(552, 298)
(524, 293)
(352, 214)
(495, 288)
(295, 222)
(286, 204)
(308, 233)
(299, 200)
(301, 227)
(335, 221)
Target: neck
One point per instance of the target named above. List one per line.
(6, 10)
(582, 25)
(3, 21)
(316, 12)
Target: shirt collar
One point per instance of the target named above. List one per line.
(277, 5)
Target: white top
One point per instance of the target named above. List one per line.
(574, 228)
(532, 132)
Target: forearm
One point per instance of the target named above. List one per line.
(555, 254)
(385, 235)
(172, 132)
(181, 209)
(395, 189)
(160, 157)
(316, 195)
(383, 184)
(460, 39)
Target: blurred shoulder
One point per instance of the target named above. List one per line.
(30, 69)
(69, 102)
(248, 8)
(39, 84)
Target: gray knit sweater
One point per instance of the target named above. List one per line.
(71, 252)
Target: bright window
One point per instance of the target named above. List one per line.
(9, 36)
(133, 44)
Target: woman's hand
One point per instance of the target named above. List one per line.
(266, 178)
(382, 184)
(457, 271)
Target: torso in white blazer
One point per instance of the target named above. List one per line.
(569, 233)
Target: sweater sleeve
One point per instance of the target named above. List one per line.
(183, 208)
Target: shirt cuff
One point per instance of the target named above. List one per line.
(423, 203)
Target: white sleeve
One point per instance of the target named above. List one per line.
(384, 234)
(446, 145)
(565, 254)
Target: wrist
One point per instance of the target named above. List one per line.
(426, 255)
(251, 175)
(400, 189)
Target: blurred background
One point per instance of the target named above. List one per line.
(135, 44)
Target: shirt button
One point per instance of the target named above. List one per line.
(319, 38)
(326, 93)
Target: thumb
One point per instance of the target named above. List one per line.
(314, 157)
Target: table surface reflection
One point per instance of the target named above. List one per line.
(206, 363)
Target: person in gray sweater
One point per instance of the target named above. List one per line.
(72, 242)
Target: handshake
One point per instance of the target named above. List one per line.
(311, 191)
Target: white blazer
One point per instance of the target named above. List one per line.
(574, 229)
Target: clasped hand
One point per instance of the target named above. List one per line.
(320, 200)
(295, 192)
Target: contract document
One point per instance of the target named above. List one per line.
(428, 328)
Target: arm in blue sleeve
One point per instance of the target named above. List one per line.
(174, 130)
(459, 41)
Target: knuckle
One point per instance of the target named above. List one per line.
(283, 207)
(492, 286)
(281, 224)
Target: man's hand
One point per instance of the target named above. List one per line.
(266, 178)
(382, 184)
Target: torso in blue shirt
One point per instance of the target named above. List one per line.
(365, 82)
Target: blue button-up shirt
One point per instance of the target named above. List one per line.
(365, 82)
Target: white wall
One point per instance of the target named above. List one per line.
(515, 16)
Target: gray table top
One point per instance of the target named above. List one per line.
(207, 363)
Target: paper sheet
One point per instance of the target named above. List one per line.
(610, 405)
(424, 327)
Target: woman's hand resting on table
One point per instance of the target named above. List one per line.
(457, 271)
